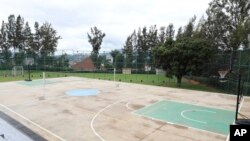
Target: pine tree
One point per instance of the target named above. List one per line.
(4, 47)
(227, 23)
(19, 38)
(28, 39)
(37, 41)
(48, 39)
(11, 32)
(128, 51)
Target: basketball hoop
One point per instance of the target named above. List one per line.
(29, 61)
(222, 74)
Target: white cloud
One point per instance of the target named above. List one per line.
(117, 18)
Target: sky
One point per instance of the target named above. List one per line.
(72, 19)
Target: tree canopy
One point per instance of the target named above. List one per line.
(228, 23)
(18, 41)
(95, 39)
(184, 55)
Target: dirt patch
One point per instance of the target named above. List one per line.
(152, 101)
(136, 106)
(67, 112)
(194, 82)
(146, 125)
(140, 135)
(180, 127)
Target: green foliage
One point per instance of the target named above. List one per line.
(118, 59)
(138, 46)
(128, 51)
(227, 24)
(96, 39)
(100, 61)
(17, 36)
(49, 39)
(184, 55)
(114, 53)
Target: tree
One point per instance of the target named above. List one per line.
(37, 40)
(11, 32)
(117, 59)
(152, 37)
(183, 55)
(114, 53)
(19, 41)
(95, 39)
(3, 37)
(48, 39)
(19, 37)
(179, 33)
(162, 35)
(141, 48)
(227, 23)
(170, 32)
(4, 47)
(28, 39)
(128, 51)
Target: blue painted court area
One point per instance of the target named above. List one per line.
(82, 92)
(188, 115)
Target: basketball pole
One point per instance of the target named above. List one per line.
(44, 82)
(114, 74)
(39, 54)
(238, 97)
(115, 67)
(29, 72)
(29, 79)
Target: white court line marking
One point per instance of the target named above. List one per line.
(133, 112)
(127, 105)
(203, 122)
(35, 124)
(171, 123)
(129, 101)
(197, 104)
(102, 110)
(167, 122)
(97, 114)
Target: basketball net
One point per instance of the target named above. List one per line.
(222, 73)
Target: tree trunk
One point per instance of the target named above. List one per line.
(179, 81)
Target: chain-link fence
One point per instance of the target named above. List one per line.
(223, 72)
(127, 67)
(136, 67)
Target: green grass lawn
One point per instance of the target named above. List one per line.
(148, 79)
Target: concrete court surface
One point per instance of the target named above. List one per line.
(107, 116)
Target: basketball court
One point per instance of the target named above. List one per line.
(194, 116)
(111, 111)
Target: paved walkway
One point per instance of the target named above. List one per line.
(11, 130)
